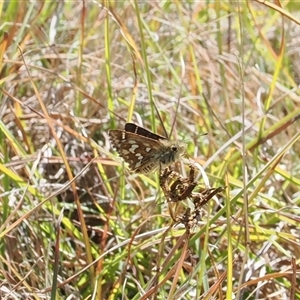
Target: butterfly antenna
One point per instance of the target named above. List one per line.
(180, 92)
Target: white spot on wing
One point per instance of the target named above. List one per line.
(125, 152)
(139, 156)
(133, 147)
(138, 164)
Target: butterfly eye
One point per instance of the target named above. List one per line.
(174, 148)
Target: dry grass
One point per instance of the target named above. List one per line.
(75, 223)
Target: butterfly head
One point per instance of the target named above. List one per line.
(172, 152)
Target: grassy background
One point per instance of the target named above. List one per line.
(75, 227)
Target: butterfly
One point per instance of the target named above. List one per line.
(144, 150)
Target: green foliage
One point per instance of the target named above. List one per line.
(75, 226)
